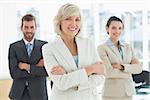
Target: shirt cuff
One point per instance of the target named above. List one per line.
(28, 68)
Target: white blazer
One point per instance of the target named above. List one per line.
(75, 85)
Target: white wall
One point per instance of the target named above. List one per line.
(47, 8)
(8, 32)
(9, 23)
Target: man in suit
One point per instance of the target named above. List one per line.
(26, 64)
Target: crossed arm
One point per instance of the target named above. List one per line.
(25, 66)
(121, 67)
(96, 68)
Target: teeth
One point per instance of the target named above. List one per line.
(72, 29)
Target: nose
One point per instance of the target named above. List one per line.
(29, 30)
(117, 31)
(73, 22)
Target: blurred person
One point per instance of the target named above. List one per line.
(120, 62)
(26, 64)
(71, 60)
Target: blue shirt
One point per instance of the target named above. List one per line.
(120, 45)
(76, 59)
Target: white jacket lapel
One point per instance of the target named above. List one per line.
(80, 51)
(84, 52)
(125, 50)
(65, 54)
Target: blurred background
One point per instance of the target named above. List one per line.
(134, 13)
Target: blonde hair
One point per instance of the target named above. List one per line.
(65, 11)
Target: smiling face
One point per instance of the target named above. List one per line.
(114, 30)
(70, 26)
(68, 21)
(28, 28)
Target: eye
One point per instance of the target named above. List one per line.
(26, 27)
(113, 28)
(68, 18)
(32, 27)
(120, 28)
(78, 19)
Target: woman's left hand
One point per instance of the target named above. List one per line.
(58, 70)
(117, 66)
(134, 61)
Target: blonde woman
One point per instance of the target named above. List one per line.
(71, 60)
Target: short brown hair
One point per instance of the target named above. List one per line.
(28, 17)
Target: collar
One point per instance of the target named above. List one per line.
(26, 42)
(109, 42)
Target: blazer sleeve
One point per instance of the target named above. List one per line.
(133, 68)
(111, 72)
(15, 71)
(66, 81)
(34, 69)
(93, 80)
(37, 71)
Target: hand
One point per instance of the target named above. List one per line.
(117, 66)
(97, 68)
(134, 61)
(23, 66)
(40, 63)
(58, 70)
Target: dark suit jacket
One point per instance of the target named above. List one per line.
(37, 76)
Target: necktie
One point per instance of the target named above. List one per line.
(29, 49)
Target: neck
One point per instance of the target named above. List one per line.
(68, 40)
(28, 39)
(115, 42)
(71, 44)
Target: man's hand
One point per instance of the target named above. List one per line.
(40, 63)
(23, 66)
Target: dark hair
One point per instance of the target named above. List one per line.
(113, 18)
(28, 17)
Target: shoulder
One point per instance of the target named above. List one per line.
(14, 44)
(102, 49)
(46, 46)
(101, 46)
(127, 45)
(50, 45)
(41, 42)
